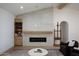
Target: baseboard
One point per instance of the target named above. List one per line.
(30, 47)
(46, 47)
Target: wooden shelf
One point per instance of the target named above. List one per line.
(57, 38)
(56, 45)
(18, 34)
(37, 32)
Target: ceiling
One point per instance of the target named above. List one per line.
(28, 7)
(14, 8)
(74, 6)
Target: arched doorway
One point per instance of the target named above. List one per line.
(64, 31)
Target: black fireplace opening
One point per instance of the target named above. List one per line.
(37, 39)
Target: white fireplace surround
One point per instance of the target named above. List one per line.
(49, 39)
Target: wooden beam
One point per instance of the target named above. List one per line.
(37, 32)
(62, 5)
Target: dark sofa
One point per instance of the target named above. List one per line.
(67, 50)
(63, 48)
(74, 52)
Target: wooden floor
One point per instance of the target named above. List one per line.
(22, 51)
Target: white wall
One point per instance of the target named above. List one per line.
(72, 17)
(41, 20)
(47, 19)
(6, 30)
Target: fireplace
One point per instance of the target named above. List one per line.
(37, 39)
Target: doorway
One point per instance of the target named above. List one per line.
(64, 31)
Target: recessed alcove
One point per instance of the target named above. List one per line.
(64, 31)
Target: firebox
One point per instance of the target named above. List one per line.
(37, 39)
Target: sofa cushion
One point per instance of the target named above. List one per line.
(71, 43)
(76, 48)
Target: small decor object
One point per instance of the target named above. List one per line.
(38, 51)
(19, 34)
(71, 43)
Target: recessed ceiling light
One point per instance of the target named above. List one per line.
(35, 25)
(21, 7)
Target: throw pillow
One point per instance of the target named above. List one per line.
(71, 43)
